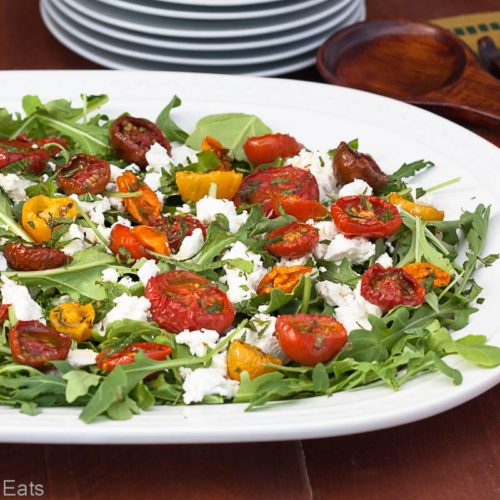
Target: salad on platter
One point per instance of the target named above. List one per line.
(142, 265)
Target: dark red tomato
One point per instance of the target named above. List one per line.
(177, 227)
(366, 216)
(310, 339)
(106, 361)
(391, 287)
(299, 207)
(183, 300)
(132, 137)
(295, 240)
(84, 174)
(4, 312)
(23, 257)
(266, 148)
(262, 185)
(34, 344)
(349, 165)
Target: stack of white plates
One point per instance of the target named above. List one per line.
(253, 37)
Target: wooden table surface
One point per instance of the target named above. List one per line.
(455, 455)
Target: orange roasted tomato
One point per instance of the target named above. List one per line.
(422, 271)
(73, 319)
(243, 357)
(212, 144)
(266, 148)
(301, 208)
(284, 278)
(143, 208)
(135, 242)
(425, 212)
(293, 240)
(84, 174)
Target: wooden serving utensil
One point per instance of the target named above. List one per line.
(415, 62)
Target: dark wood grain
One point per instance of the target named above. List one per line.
(452, 456)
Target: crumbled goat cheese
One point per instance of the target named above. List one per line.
(76, 238)
(94, 209)
(190, 245)
(384, 260)
(3, 262)
(147, 271)
(357, 186)
(261, 332)
(79, 358)
(128, 307)
(110, 275)
(158, 158)
(327, 231)
(183, 155)
(60, 300)
(15, 186)
(116, 203)
(242, 285)
(153, 180)
(207, 208)
(352, 309)
(126, 281)
(25, 308)
(300, 261)
(121, 220)
(357, 250)
(115, 172)
(198, 341)
(92, 237)
(320, 165)
(208, 381)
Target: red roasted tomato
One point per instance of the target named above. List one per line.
(391, 287)
(266, 148)
(366, 216)
(183, 300)
(22, 148)
(4, 312)
(23, 257)
(296, 240)
(299, 207)
(177, 227)
(84, 174)
(34, 344)
(261, 185)
(106, 361)
(132, 137)
(137, 241)
(310, 339)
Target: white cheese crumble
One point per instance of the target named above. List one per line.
(128, 307)
(356, 187)
(207, 208)
(110, 275)
(79, 358)
(320, 165)
(3, 262)
(76, 238)
(300, 261)
(115, 172)
(126, 281)
(352, 309)
(242, 285)
(60, 300)
(158, 158)
(184, 209)
(327, 231)
(147, 271)
(261, 332)
(94, 209)
(15, 186)
(208, 381)
(25, 308)
(190, 245)
(384, 260)
(357, 250)
(153, 180)
(183, 155)
(198, 341)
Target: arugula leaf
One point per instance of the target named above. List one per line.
(7, 220)
(47, 188)
(338, 273)
(79, 383)
(474, 349)
(396, 182)
(171, 130)
(230, 129)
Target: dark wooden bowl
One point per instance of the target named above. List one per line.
(418, 63)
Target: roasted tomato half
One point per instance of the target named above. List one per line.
(143, 208)
(84, 174)
(366, 216)
(132, 137)
(183, 300)
(310, 339)
(349, 165)
(107, 360)
(391, 287)
(266, 148)
(23, 257)
(293, 240)
(34, 344)
(301, 208)
(177, 227)
(262, 185)
(135, 242)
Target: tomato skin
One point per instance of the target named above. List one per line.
(297, 240)
(34, 344)
(126, 356)
(132, 137)
(266, 148)
(260, 186)
(4, 312)
(137, 241)
(370, 222)
(391, 287)
(23, 257)
(177, 227)
(84, 174)
(183, 300)
(310, 339)
(349, 165)
(301, 208)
